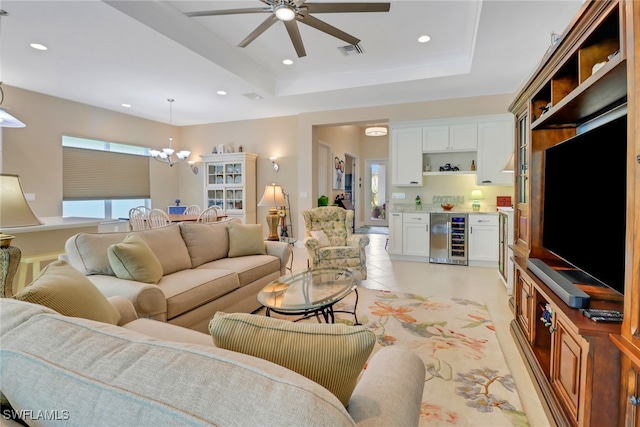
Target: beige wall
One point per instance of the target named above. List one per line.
(35, 152)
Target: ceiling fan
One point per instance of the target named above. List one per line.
(292, 11)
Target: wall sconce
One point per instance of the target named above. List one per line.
(194, 168)
(276, 166)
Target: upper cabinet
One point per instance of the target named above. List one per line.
(406, 156)
(445, 138)
(478, 145)
(495, 146)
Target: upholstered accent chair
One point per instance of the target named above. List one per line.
(330, 241)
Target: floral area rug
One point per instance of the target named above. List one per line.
(468, 382)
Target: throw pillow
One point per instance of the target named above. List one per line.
(332, 355)
(321, 237)
(64, 289)
(133, 259)
(245, 239)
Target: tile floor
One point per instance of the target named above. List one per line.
(481, 284)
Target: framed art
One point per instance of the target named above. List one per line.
(338, 173)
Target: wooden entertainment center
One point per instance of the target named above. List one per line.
(587, 373)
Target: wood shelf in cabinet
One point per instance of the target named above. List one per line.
(602, 89)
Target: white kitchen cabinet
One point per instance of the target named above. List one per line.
(230, 183)
(447, 138)
(415, 234)
(435, 138)
(483, 239)
(395, 233)
(495, 145)
(406, 157)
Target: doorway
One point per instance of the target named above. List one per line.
(376, 192)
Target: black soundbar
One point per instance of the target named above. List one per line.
(569, 293)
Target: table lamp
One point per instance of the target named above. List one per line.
(14, 212)
(476, 195)
(273, 197)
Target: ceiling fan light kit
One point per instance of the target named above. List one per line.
(290, 12)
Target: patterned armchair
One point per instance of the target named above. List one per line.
(340, 247)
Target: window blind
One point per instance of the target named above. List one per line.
(97, 175)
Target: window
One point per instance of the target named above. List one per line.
(103, 179)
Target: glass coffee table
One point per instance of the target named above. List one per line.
(311, 292)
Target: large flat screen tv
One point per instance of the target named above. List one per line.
(584, 205)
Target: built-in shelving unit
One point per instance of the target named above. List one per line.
(588, 373)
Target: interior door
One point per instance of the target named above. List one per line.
(376, 196)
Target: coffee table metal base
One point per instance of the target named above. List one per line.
(327, 311)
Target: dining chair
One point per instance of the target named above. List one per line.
(210, 214)
(138, 219)
(192, 210)
(158, 218)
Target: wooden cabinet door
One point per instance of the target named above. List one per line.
(566, 365)
(524, 304)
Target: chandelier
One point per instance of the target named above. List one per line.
(168, 155)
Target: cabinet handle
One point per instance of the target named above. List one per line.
(486, 181)
(634, 400)
(527, 296)
(413, 182)
(552, 329)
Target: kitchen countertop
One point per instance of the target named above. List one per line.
(438, 209)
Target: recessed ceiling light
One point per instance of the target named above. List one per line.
(287, 61)
(126, 105)
(424, 39)
(38, 46)
(221, 92)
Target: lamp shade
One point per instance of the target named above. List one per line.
(477, 195)
(14, 208)
(510, 166)
(273, 196)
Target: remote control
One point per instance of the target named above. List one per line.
(600, 313)
(606, 319)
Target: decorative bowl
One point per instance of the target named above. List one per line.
(447, 207)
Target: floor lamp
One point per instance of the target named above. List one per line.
(14, 212)
(273, 197)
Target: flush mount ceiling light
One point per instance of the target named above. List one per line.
(38, 46)
(424, 39)
(375, 131)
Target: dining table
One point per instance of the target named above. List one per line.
(182, 218)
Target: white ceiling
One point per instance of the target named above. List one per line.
(106, 53)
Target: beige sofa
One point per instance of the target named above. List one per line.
(67, 370)
(198, 278)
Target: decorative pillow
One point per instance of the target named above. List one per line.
(332, 355)
(64, 289)
(245, 239)
(321, 237)
(133, 259)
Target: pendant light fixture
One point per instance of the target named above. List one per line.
(168, 155)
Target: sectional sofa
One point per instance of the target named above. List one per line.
(204, 268)
(57, 369)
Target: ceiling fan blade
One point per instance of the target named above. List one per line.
(296, 39)
(229, 11)
(347, 7)
(329, 29)
(259, 30)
